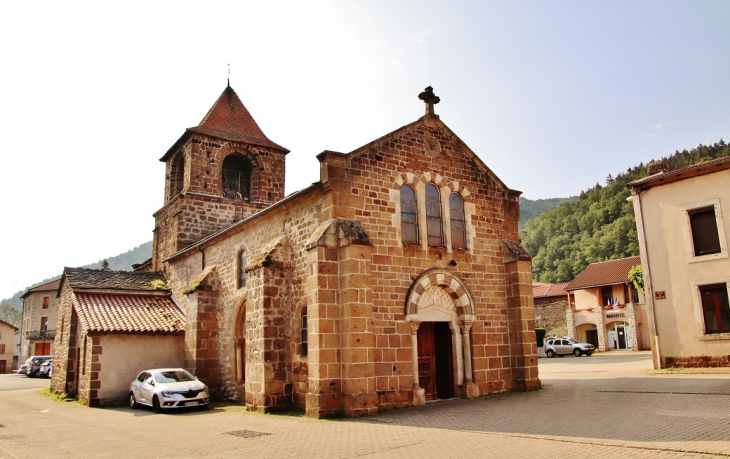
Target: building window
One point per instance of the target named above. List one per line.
(705, 237)
(409, 214)
(433, 216)
(607, 296)
(177, 176)
(715, 308)
(46, 302)
(458, 221)
(44, 324)
(242, 269)
(2, 349)
(237, 178)
(305, 335)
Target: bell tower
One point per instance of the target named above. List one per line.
(218, 172)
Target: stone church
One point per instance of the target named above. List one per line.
(395, 279)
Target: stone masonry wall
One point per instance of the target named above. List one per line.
(552, 317)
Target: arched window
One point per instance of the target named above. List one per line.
(242, 269)
(305, 336)
(433, 216)
(177, 176)
(458, 221)
(408, 214)
(237, 178)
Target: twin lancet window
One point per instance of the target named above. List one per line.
(434, 219)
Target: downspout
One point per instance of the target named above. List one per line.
(648, 290)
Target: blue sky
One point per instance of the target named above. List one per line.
(553, 96)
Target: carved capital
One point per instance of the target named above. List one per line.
(466, 327)
(414, 327)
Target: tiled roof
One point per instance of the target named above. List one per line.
(679, 173)
(229, 119)
(611, 272)
(83, 278)
(128, 313)
(47, 287)
(540, 290)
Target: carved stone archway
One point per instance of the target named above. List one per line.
(439, 295)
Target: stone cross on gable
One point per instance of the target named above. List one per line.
(430, 99)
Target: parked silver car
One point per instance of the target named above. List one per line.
(165, 388)
(45, 370)
(565, 346)
(34, 364)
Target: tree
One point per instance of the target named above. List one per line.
(10, 315)
(636, 276)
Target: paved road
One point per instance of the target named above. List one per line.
(605, 405)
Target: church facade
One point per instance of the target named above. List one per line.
(395, 279)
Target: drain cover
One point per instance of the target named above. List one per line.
(247, 433)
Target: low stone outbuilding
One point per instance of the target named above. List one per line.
(111, 326)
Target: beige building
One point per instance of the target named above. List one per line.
(682, 217)
(394, 279)
(38, 328)
(7, 344)
(605, 309)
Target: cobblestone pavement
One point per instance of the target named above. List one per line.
(605, 405)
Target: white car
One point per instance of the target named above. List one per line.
(565, 346)
(165, 388)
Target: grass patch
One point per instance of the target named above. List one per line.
(58, 397)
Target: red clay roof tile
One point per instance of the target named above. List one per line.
(612, 272)
(128, 313)
(540, 290)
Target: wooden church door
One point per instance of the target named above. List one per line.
(435, 360)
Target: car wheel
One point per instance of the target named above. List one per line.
(132, 401)
(34, 374)
(550, 353)
(156, 405)
(577, 353)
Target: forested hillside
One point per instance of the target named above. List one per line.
(530, 209)
(598, 226)
(121, 262)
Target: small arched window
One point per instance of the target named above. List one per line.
(237, 178)
(177, 176)
(433, 216)
(242, 269)
(305, 333)
(408, 214)
(458, 221)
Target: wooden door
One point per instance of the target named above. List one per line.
(621, 332)
(42, 349)
(444, 360)
(592, 337)
(2, 367)
(426, 360)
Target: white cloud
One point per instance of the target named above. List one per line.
(660, 126)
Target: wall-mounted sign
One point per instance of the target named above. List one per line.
(661, 295)
(611, 315)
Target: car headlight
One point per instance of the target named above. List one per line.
(205, 388)
(167, 393)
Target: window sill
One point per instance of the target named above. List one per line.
(715, 337)
(708, 257)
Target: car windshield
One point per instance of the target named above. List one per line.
(171, 376)
(572, 341)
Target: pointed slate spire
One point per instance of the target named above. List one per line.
(229, 119)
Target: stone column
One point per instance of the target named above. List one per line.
(469, 389)
(631, 319)
(419, 394)
(239, 362)
(600, 328)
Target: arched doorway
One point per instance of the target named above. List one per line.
(441, 311)
(240, 351)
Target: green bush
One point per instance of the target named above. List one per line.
(540, 334)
